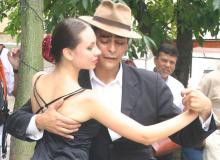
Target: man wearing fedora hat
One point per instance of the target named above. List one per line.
(140, 94)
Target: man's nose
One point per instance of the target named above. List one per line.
(167, 64)
(112, 47)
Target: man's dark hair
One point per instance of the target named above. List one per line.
(168, 49)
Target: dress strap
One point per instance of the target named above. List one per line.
(66, 96)
(35, 92)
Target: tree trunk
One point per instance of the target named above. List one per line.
(184, 63)
(31, 62)
(184, 44)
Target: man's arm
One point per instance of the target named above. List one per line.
(50, 120)
(18, 121)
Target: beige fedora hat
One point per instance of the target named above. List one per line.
(114, 18)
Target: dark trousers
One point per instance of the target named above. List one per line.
(166, 157)
(192, 154)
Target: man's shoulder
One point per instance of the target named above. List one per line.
(141, 71)
(141, 76)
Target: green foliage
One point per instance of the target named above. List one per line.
(216, 4)
(201, 16)
(11, 9)
(155, 18)
(56, 10)
(145, 45)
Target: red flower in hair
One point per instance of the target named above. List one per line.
(46, 46)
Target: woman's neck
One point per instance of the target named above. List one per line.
(66, 76)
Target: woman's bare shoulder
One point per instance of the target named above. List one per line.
(90, 97)
(37, 75)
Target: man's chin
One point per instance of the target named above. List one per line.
(165, 76)
(108, 65)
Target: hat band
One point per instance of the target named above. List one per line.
(112, 23)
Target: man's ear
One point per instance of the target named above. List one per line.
(68, 54)
(128, 43)
(155, 59)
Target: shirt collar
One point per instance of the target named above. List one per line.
(118, 78)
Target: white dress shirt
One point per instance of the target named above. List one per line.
(111, 92)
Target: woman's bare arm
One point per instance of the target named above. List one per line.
(87, 107)
(133, 130)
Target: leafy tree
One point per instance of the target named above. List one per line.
(194, 17)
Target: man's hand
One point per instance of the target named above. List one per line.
(195, 100)
(54, 122)
(14, 58)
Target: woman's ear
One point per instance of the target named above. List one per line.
(68, 54)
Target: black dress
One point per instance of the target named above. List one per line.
(55, 147)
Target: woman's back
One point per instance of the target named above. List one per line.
(52, 146)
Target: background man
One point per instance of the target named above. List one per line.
(165, 63)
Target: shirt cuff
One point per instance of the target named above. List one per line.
(32, 131)
(205, 124)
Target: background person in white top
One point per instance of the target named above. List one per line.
(9, 76)
(8, 68)
(165, 63)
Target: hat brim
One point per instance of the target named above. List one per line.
(110, 28)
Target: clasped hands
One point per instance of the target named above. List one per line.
(196, 101)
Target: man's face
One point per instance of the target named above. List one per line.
(112, 48)
(165, 64)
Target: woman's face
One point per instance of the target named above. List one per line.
(86, 53)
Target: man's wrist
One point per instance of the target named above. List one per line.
(205, 114)
(32, 131)
(37, 122)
